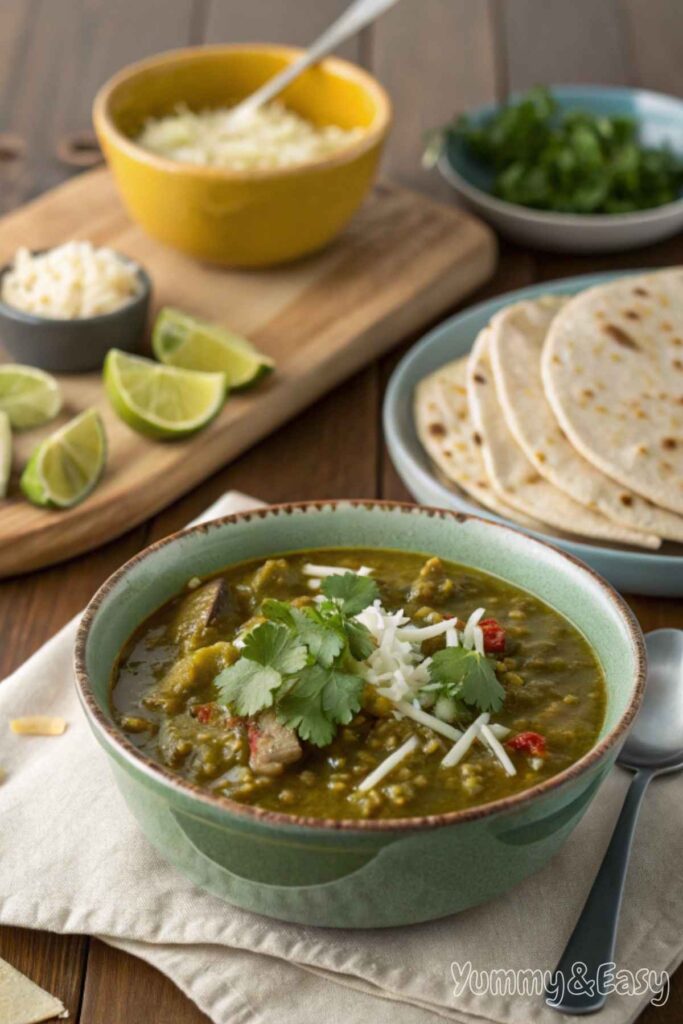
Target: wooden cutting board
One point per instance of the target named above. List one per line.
(402, 261)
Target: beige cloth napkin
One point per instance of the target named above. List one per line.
(73, 860)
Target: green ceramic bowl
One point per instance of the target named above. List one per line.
(351, 873)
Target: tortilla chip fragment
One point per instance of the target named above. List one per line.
(24, 1002)
(38, 725)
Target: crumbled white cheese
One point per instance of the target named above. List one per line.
(70, 282)
(270, 136)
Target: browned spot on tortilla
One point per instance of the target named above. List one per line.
(437, 429)
(477, 438)
(462, 415)
(641, 449)
(640, 291)
(480, 378)
(666, 325)
(448, 454)
(641, 414)
(666, 467)
(669, 443)
(626, 500)
(540, 457)
(678, 363)
(632, 314)
(557, 360)
(600, 314)
(588, 393)
(620, 336)
(532, 478)
(677, 341)
(601, 408)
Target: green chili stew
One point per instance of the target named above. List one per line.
(359, 684)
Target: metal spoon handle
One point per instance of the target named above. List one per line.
(359, 14)
(592, 942)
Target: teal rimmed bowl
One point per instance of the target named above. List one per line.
(356, 873)
(660, 118)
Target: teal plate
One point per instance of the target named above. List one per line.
(629, 570)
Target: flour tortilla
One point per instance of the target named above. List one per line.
(443, 426)
(613, 372)
(22, 1001)
(517, 336)
(514, 478)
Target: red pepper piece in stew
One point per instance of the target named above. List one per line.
(528, 743)
(494, 636)
(212, 714)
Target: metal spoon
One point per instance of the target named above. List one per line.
(653, 746)
(359, 14)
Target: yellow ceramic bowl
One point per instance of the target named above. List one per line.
(242, 218)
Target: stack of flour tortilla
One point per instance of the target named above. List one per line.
(568, 413)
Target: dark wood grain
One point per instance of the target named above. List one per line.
(243, 21)
(427, 92)
(121, 989)
(436, 57)
(556, 41)
(55, 962)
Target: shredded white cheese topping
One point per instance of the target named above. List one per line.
(498, 749)
(398, 671)
(462, 746)
(388, 765)
(72, 281)
(320, 572)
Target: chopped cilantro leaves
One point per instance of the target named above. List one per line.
(318, 700)
(247, 686)
(274, 645)
(572, 161)
(467, 676)
(301, 660)
(352, 592)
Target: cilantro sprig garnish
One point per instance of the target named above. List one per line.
(466, 676)
(303, 661)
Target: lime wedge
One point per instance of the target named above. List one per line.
(5, 452)
(65, 467)
(184, 341)
(161, 401)
(29, 396)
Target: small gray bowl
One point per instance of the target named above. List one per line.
(78, 345)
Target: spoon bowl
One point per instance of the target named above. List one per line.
(656, 737)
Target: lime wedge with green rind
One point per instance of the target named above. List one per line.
(193, 344)
(5, 453)
(162, 402)
(29, 396)
(66, 466)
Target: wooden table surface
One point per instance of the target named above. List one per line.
(435, 57)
